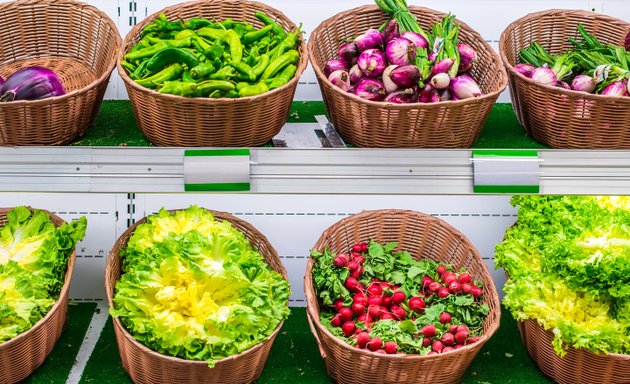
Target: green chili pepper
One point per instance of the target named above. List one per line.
(217, 94)
(187, 77)
(205, 88)
(178, 88)
(161, 24)
(277, 28)
(253, 90)
(239, 30)
(245, 70)
(216, 52)
(242, 84)
(263, 63)
(288, 43)
(184, 34)
(143, 43)
(290, 57)
(196, 23)
(139, 72)
(202, 70)
(172, 55)
(167, 74)
(229, 37)
(145, 52)
(224, 73)
(283, 77)
(232, 94)
(251, 37)
(177, 43)
(227, 23)
(128, 66)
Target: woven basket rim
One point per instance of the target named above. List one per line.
(534, 15)
(128, 232)
(313, 310)
(62, 293)
(417, 105)
(20, 4)
(302, 62)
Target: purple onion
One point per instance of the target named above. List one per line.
(445, 94)
(583, 83)
(627, 42)
(405, 76)
(31, 83)
(563, 84)
(616, 88)
(432, 57)
(464, 87)
(402, 96)
(369, 40)
(335, 65)
(524, 69)
(370, 89)
(1, 81)
(390, 86)
(355, 74)
(430, 96)
(544, 75)
(349, 53)
(443, 66)
(467, 56)
(391, 31)
(425, 93)
(401, 51)
(372, 62)
(417, 39)
(340, 79)
(441, 81)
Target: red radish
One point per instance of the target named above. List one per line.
(445, 317)
(348, 328)
(381, 351)
(336, 321)
(441, 269)
(375, 311)
(416, 304)
(447, 338)
(354, 255)
(426, 281)
(462, 328)
(466, 288)
(476, 291)
(375, 344)
(458, 346)
(359, 298)
(375, 289)
(432, 353)
(473, 339)
(447, 277)
(434, 286)
(387, 301)
(357, 248)
(426, 342)
(357, 331)
(461, 337)
(395, 287)
(428, 330)
(358, 309)
(353, 284)
(452, 329)
(375, 300)
(364, 247)
(387, 316)
(340, 261)
(346, 314)
(357, 272)
(338, 304)
(448, 349)
(362, 339)
(353, 266)
(385, 284)
(359, 259)
(398, 312)
(464, 278)
(391, 347)
(454, 287)
(398, 297)
(444, 292)
(437, 346)
(364, 318)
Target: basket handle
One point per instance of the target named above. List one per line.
(314, 332)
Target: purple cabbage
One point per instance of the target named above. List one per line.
(544, 75)
(370, 89)
(369, 40)
(391, 31)
(31, 83)
(524, 69)
(464, 87)
(467, 57)
(405, 76)
(335, 65)
(372, 62)
(417, 39)
(400, 51)
(583, 83)
(355, 74)
(349, 53)
(340, 79)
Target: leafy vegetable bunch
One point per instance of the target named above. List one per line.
(193, 287)
(385, 301)
(33, 261)
(568, 262)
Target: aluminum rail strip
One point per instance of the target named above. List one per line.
(299, 171)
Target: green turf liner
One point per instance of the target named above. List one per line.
(58, 364)
(115, 125)
(295, 358)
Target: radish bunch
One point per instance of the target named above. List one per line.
(422, 313)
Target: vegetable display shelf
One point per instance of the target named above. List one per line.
(114, 157)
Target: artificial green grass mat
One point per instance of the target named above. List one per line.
(115, 125)
(57, 365)
(295, 358)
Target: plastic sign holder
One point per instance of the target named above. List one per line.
(216, 170)
(506, 171)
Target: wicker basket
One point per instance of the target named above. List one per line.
(78, 42)
(423, 236)
(578, 366)
(169, 120)
(20, 356)
(147, 366)
(452, 124)
(557, 117)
